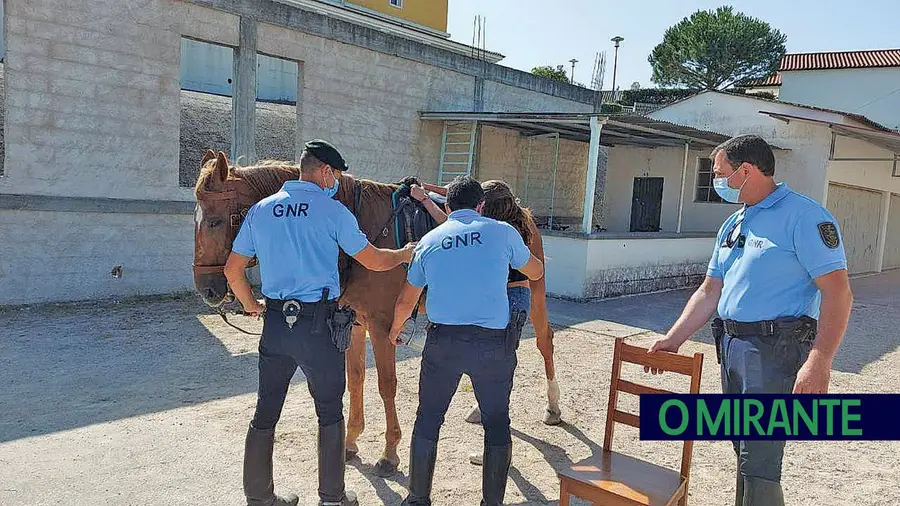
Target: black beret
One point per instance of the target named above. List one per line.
(326, 153)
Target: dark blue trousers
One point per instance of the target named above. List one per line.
(761, 365)
(281, 350)
(482, 354)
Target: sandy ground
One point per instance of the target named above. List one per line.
(145, 402)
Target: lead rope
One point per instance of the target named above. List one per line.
(224, 316)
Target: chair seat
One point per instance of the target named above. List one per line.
(635, 480)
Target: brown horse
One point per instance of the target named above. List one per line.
(225, 193)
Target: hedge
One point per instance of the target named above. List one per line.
(658, 96)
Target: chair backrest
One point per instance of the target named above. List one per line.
(664, 361)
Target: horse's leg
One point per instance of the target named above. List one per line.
(540, 318)
(386, 364)
(356, 376)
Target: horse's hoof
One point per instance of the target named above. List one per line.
(476, 458)
(384, 468)
(350, 454)
(552, 417)
(474, 416)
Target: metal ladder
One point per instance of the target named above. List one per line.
(457, 150)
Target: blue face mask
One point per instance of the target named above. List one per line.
(728, 194)
(332, 191)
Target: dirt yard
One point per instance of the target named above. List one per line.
(145, 402)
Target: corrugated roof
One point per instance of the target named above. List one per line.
(841, 60)
(618, 130)
(889, 140)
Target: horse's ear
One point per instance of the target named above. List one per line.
(209, 155)
(220, 173)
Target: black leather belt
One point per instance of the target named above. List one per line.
(306, 309)
(765, 328)
(469, 329)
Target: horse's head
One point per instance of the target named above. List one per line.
(222, 202)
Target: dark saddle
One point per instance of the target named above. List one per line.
(411, 220)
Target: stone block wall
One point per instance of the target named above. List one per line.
(59, 256)
(527, 165)
(94, 110)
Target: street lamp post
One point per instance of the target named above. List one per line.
(616, 40)
(573, 61)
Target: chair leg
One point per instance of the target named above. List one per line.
(563, 493)
(683, 500)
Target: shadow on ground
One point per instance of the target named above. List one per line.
(73, 365)
(68, 366)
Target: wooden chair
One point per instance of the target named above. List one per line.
(614, 479)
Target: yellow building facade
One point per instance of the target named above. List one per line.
(430, 13)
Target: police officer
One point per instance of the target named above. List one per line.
(778, 278)
(295, 235)
(465, 262)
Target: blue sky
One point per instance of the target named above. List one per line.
(552, 32)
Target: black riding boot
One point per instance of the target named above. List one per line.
(422, 456)
(258, 485)
(331, 467)
(739, 486)
(494, 473)
(760, 492)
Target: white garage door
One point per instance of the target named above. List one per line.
(858, 213)
(892, 245)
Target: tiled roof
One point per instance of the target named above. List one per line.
(830, 61)
(772, 80)
(841, 60)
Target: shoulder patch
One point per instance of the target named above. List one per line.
(828, 232)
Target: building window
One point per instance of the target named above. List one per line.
(206, 104)
(397, 3)
(705, 190)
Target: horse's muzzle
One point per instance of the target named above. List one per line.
(213, 289)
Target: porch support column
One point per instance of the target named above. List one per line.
(591, 179)
(882, 230)
(684, 167)
(243, 104)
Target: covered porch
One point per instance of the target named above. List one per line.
(624, 202)
(862, 191)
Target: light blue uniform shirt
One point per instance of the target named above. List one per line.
(785, 248)
(295, 234)
(465, 262)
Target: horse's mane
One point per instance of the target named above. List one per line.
(267, 176)
(264, 178)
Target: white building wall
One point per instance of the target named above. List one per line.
(565, 265)
(874, 93)
(584, 269)
(875, 175)
(804, 160)
(627, 163)
(892, 247)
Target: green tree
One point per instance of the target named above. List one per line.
(558, 73)
(714, 50)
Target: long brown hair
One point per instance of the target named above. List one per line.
(501, 204)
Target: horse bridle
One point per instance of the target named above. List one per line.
(235, 220)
